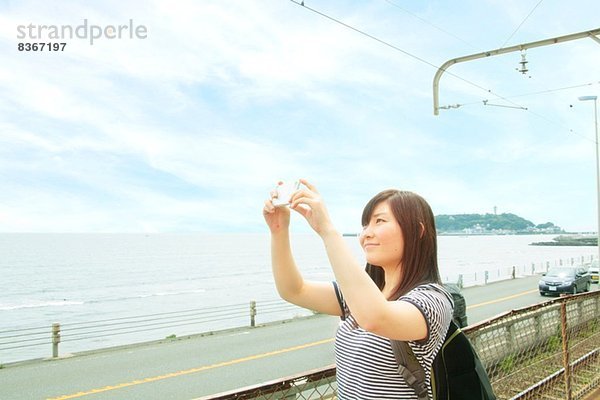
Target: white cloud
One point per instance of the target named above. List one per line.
(189, 128)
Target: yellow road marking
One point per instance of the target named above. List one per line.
(239, 360)
(485, 303)
(191, 370)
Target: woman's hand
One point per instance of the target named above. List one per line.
(309, 203)
(277, 218)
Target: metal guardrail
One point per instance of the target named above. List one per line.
(485, 277)
(550, 348)
(204, 319)
(58, 333)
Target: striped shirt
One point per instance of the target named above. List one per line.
(366, 367)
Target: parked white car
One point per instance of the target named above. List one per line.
(593, 271)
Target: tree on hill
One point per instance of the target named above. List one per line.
(546, 225)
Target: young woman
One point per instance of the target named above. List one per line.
(398, 296)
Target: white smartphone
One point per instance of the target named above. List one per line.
(284, 193)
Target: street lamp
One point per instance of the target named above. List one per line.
(595, 99)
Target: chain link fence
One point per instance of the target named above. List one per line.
(546, 351)
(315, 384)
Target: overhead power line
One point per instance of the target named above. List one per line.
(538, 92)
(431, 24)
(420, 59)
(521, 24)
(592, 34)
(520, 47)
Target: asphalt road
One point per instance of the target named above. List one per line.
(185, 369)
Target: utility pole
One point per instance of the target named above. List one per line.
(595, 100)
(520, 47)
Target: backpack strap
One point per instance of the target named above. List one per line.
(340, 299)
(408, 365)
(410, 368)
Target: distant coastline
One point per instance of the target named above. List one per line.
(491, 224)
(575, 240)
(492, 233)
(488, 225)
(507, 233)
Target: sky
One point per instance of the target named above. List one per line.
(186, 125)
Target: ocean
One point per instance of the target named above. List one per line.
(102, 282)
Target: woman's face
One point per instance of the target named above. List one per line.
(382, 239)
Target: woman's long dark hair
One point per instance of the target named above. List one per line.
(416, 220)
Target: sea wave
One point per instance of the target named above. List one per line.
(63, 303)
(39, 304)
(173, 293)
(145, 295)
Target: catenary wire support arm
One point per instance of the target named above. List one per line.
(593, 34)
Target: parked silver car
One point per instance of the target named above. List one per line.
(565, 280)
(593, 271)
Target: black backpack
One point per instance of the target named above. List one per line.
(460, 304)
(456, 372)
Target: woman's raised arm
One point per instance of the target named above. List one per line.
(291, 286)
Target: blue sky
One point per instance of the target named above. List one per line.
(189, 128)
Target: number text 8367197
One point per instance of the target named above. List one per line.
(49, 46)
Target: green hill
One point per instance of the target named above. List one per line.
(491, 223)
